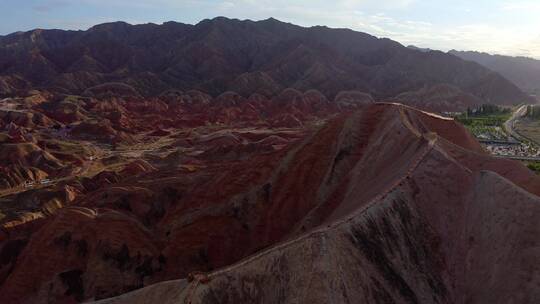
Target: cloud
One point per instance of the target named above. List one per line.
(520, 6)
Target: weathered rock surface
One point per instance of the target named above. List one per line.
(382, 204)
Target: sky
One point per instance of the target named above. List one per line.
(493, 26)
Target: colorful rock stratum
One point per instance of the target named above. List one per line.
(185, 198)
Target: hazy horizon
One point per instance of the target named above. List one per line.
(495, 27)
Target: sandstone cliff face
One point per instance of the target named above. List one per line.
(384, 203)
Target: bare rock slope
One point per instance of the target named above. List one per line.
(382, 204)
(408, 224)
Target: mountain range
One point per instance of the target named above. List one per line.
(247, 57)
(522, 71)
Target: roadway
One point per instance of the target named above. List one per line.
(509, 127)
(510, 124)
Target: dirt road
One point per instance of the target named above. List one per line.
(509, 125)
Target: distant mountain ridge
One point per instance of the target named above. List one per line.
(522, 71)
(414, 47)
(247, 57)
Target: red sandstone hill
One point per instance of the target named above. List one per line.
(223, 54)
(385, 203)
(46, 134)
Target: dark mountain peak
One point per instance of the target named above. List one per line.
(108, 26)
(469, 52)
(174, 27)
(219, 23)
(220, 20)
(424, 50)
(277, 26)
(323, 27)
(223, 19)
(274, 21)
(173, 24)
(271, 19)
